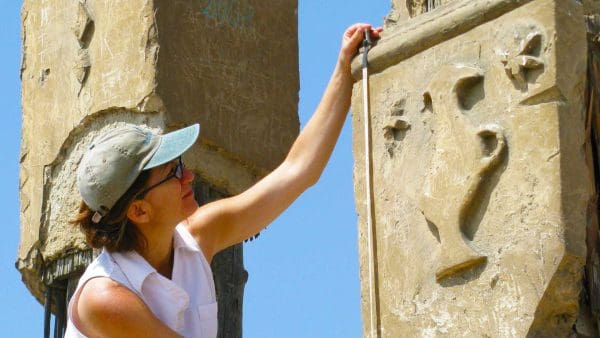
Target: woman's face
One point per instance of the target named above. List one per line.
(172, 200)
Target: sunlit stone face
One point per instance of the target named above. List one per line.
(476, 147)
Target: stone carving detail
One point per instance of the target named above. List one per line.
(83, 28)
(416, 7)
(464, 155)
(403, 10)
(396, 127)
(518, 67)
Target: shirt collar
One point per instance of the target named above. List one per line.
(135, 268)
(182, 239)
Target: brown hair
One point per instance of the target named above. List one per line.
(115, 224)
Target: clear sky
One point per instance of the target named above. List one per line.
(303, 270)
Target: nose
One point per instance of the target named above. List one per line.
(188, 176)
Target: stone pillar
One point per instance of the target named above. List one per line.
(90, 65)
(481, 191)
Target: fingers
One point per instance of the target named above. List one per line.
(357, 30)
(376, 32)
(357, 27)
(356, 38)
(352, 38)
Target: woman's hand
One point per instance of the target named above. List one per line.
(352, 39)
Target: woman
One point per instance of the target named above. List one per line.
(153, 278)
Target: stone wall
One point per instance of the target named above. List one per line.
(480, 183)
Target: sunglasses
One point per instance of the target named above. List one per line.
(176, 172)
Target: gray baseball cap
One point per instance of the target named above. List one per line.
(115, 159)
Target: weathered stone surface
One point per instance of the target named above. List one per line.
(76, 77)
(403, 10)
(232, 65)
(88, 66)
(479, 174)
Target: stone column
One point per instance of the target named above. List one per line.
(90, 65)
(481, 191)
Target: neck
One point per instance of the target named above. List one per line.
(159, 250)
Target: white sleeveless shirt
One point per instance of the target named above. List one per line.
(187, 303)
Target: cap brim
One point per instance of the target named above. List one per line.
(173, 145)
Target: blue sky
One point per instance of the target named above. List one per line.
(303, 270)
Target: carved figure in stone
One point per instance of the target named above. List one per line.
(83, 28)
(396, 127)
(463, 155)
(527, 58)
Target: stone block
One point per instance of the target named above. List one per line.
(89, 65)
(480, 186)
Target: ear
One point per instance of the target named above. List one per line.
(139, 212)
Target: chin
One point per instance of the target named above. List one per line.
(189, 208)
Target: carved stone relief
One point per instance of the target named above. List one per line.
(83, 28)
(479, 182)
(397, 124)
(523, 62)
(463, 155)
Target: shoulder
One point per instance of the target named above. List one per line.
(107, 308)
(98, 289)
(103, 299)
